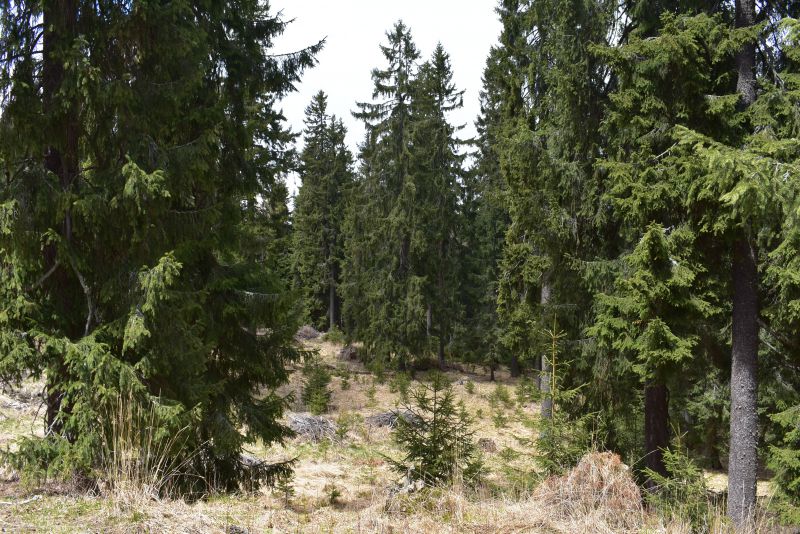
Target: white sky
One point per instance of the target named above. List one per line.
(354, 30)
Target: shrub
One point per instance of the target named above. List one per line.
(437, 439)
(345, 375)
(563, 440)
(527, 392)
(469, 386)
(371, 392)
(501, 395)
(399, 384)
(316, 395)
(334, 335)
(499, 419)
(682, 494)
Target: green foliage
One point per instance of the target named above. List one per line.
(437, 437)
(316, 394)
(399, 384)
(683, 493)
(346, 422)
(371, 392)
(332, 493)
(334, 335)
(318, 218)
(469, 387)
(140, 251)
(285, 489)
(401, 272)
(563, 439)
(499, 419)
(345, 376)
(501, 395)
(784, 461)
(527, 391)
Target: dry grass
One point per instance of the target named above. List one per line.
(343, 485)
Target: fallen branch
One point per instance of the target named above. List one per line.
(26, 501)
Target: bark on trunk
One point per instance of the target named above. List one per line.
(656, 427)
(333, 320)
(547, 393)
(441, 350)
(743, 459)
(513, 366)
(428, 321)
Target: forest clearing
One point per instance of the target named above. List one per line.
(553, 246)
(342, 483)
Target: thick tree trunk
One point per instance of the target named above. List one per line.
(743, 459)
(656, 427)
(547, 393)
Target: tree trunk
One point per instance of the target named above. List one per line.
(544, 384)
(332, 315)
(428, 321)
(513, 366)
(656, 427)
(743, 459)
(60, 20)
(441, 352)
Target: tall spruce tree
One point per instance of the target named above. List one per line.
(436, 166)
(318, 238)
(485, 220)
(137, 139)
(548, 142)
(385, 303)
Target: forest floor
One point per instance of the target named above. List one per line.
(345, 484)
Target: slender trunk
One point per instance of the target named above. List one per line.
(441, 346)
(333, 312)
(656, 427)
(544, 383)
(743, 459)
(428, 321)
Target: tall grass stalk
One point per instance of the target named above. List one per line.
(140, 459)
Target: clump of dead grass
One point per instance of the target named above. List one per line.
(599, 494)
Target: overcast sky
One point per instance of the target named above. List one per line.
(354, 30)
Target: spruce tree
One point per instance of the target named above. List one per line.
(137, 140)
(547, 146)
(485, 220)
(648, 324)
(318, 238)
(384, 292)
(436, 169)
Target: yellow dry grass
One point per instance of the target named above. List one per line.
(344, 485)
